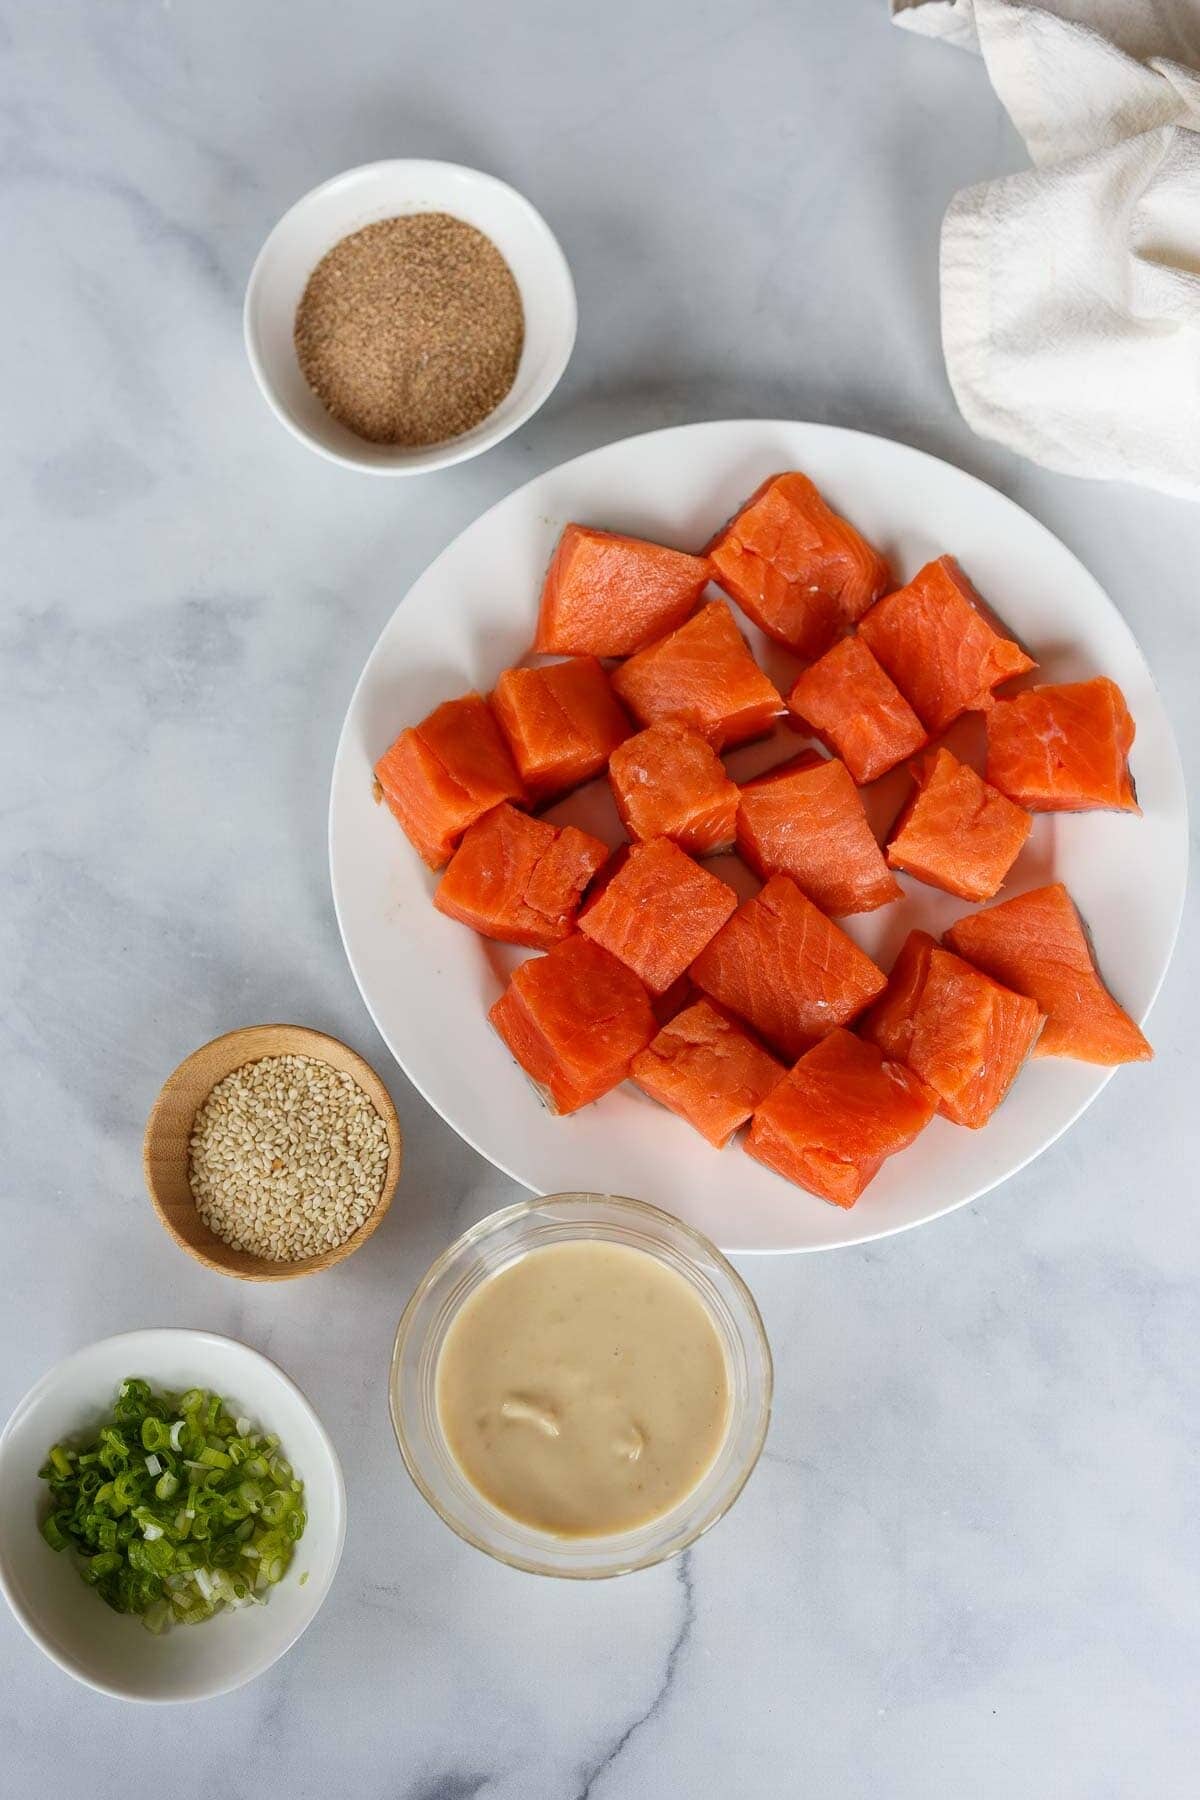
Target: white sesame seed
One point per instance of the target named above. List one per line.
(288, 1158)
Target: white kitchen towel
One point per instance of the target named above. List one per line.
(1071, 292)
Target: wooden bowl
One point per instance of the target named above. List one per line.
(169, 1131)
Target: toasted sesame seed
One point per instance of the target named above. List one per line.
(287, 1158)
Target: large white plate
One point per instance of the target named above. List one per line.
(429, 982)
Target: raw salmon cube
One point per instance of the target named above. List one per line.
(851, 703)
(708, 1069)
(786, 969)
(666, 1005)
(831, 1123)
(574, 1019)
(562, 722)
(1064, 749)
(806, 819)
(957, 832)
(607, 595)
(940, 649)
(798, 570)
(443, 774)
(964, 1034)
(1038, 945)
(657, 912)
(669, 782)
(702, 675)
(518, 879)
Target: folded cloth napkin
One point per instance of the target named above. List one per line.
(1071, 292)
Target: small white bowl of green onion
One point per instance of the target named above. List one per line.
(172, 1513)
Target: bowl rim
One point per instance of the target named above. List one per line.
(423, 459)
(45, 1385)
(338, 1253)
(498, 1220)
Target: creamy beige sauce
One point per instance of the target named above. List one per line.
(583, 1390)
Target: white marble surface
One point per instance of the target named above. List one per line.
(968, 1562)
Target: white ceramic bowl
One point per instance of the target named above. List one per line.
(386, 190)
(115, 1653)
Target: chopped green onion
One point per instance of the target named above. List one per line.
(126, 1487)
(52, 1532)
(155, 1435)
(276, 1507)
(115, 1502)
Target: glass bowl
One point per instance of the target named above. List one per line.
(503, 1239)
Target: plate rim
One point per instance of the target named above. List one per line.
(768, 424)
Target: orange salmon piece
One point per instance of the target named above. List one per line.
(849, 701)
(443, 774)
(562, 722)
(834, 1119)
(1038, 945)
(607, 595)
(708, 1069)
(680, 994)
(657, 912)
(795, 567)
(957, 832)
(964, 1034)
(703, 676)
(574, 1019)
(786, 969)
(1064, 748)
(806, 819)
(939, 648)
(519, 880)
(668, 781)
